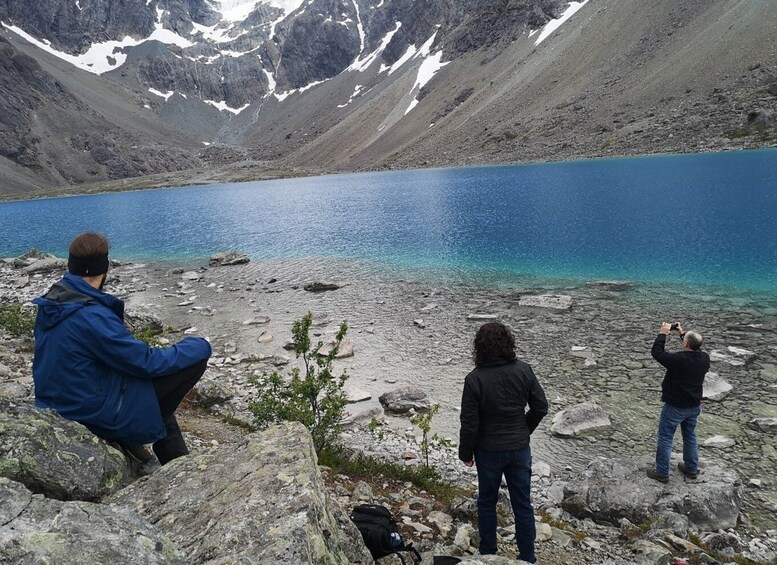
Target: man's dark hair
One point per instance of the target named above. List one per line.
(89, 244)
(88, 256)
(493, 342)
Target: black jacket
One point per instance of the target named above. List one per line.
(685, 370)
(493, 408)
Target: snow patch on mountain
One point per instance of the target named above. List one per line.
(363, 64)
(106, 56)
(553, 25)
(427, 70)
(222, 106)
(164, 95)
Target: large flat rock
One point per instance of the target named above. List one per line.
(611, 489)
(263, 501)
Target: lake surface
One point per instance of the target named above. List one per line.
(705, 219)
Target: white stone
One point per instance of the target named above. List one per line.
(191, 276)
(482, 317)
(540, 469)
(579, 419)
(715, 387)
(353, 394)
(190, 331)
(544, 532)
(266, 337)
(555, 302)
(718, 441)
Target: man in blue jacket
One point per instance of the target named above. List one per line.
(90, 369)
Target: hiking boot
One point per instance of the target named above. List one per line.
(137, 453)
(684, 470)
(656, 476)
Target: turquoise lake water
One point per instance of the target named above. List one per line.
(709, 219)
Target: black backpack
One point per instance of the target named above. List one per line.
(379, 530)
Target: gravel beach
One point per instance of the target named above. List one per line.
(588, 341)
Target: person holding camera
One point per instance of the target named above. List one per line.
(681, 393)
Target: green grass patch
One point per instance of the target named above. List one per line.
(149, 336)
(369, 468)
(16, 319)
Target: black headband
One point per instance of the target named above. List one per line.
(87, 266)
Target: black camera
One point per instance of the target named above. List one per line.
(673, 326)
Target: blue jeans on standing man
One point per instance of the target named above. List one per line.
(686, 418)
(515, 465)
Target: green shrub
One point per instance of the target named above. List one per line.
(315, 398)
(424, 422)
(16, 319)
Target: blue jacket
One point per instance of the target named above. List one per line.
(90, 369)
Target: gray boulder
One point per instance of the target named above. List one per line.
(345, 349)
(56, 457)
(322, 286)
(34, 529)
(47, 265)
(715, 387)
(579, 419)
(761, 117)
(228, 258)
(611, 489)
(211, 391)
(262, 501)
(402, 400)
(768, 425)
(138, 320)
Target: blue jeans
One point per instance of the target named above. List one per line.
(671, 417)
(515, 465)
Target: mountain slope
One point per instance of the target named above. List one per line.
(133, 87)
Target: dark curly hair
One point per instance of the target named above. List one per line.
(494, 341)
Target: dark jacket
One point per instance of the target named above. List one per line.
(493, 408)
(90, 369)
(685, 370)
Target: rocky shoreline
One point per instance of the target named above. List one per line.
(589, 343)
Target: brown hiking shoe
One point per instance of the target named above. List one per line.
(684, 471)
(656, 476)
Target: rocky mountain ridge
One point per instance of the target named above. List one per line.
(367, 84)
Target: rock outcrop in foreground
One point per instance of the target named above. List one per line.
(56, 457)
(613, 489)
(261, 502)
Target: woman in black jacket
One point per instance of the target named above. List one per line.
(495, 430)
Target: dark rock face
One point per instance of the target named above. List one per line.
(84, 468)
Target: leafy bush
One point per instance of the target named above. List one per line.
(16, 319)
(315, 398)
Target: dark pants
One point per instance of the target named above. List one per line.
(515, 465)
(170, 391)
